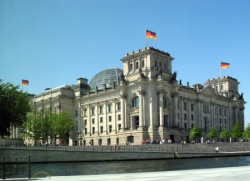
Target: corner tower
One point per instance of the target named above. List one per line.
(147, 63)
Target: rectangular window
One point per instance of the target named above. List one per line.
(192, 117)
(110, 118)
(101, 119)
(93, 130)
(76, 114)
(119, 126)
(119, 117)
(86, 130)
(192, 107)
(220, 112)
(110, 128)
(119, 106)
(76, 125)
(85, 121)
(185, 116)
(85, 112)
(220, 120)
(225, 112)
(185, 106)
(100, 109)
(185, 126)
(109, 108)
(92, 110)
(178, 116)
(93, 120)
(178, 104)
(192, 125)
(101, 129)
(225, 121)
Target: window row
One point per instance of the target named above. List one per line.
(101, 130)
(185, 116)
(101, 119)
(185, 106)
(100, 109)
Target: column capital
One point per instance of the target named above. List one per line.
(123, 96)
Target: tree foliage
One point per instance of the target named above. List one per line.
(14, 106)
(212, 133)
(237, 131)
(246, 133)
(63, 124)
(225, 134)
(45, 125)
(195, 132)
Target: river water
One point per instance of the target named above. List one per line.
(113, 167)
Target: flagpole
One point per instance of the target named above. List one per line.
(220, 70)
(146, 37)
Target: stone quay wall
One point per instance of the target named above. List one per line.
(50, 156)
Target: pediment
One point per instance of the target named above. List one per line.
(208, 91)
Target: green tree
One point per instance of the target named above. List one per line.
(237, 131)
(212, 133)
(246, 133)
(195, 132)
(63, 124)
(225, 134)
(32, 127)
(45, 125)
(14, 106)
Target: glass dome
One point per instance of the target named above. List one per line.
(106, 77)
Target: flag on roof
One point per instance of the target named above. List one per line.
(224, 65)
(150, 34)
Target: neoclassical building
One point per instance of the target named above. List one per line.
(144, 101)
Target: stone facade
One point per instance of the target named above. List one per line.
(148, 104)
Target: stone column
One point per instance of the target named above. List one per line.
(89, 120)
(141, 113)
(181, 113)
(96, 119)
(122, 113)
(105, 121)
(114, 120)
(174, 120)
(161, 109)
(131, 123)
(197, 115)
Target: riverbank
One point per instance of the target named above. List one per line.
(109, 153)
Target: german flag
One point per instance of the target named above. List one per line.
(224, 65)
(25, 82)
(150, 34)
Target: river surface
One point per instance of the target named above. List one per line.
(113, 167)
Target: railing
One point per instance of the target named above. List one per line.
(13, 167)
(168, 148)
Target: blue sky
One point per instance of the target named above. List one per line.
(52, 43)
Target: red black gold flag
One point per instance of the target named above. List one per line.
(25, 82)
(150, 34)
(224, 65)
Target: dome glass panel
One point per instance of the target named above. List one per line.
(106, 77)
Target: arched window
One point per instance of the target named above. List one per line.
(221, 87)
(136, 65)
(135, 102)
(142, 63)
